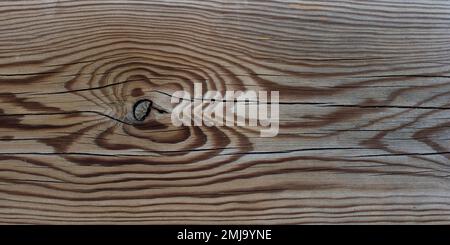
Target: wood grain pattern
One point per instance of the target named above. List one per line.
(365, 112)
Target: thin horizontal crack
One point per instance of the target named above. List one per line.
(391, 106)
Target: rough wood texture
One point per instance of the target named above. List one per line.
(365, 112)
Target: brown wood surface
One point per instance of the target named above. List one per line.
(364, 112)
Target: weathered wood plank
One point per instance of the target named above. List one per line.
(364, 112)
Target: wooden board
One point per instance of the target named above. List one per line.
(364, 112)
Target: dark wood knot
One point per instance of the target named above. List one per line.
(141, 109)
